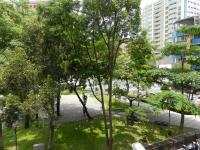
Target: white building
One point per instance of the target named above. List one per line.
(158, 18)
(147, 20)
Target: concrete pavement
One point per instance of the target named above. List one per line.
(71, 108)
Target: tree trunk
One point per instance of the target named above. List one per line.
(182, 91)
(36, 116)
(26, 121)
(138, 92)
(104, 112)
(130, 102)
(84, 107)
(182, 121)
(1, 136)
(110, 112)
(51, 127)
(58, 101)
(51, 133)
(127, 86)
(192, 95)
(169, 118)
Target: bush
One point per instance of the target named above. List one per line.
(119, 92)
(165, 87)
(136, 114)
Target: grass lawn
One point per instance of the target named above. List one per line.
(67, 92)
(84, 135)
(116, 104)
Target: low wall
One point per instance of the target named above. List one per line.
(174, 143)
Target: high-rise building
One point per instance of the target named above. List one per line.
(147, 20)
(159, 18)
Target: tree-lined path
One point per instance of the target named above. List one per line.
(191, 121)
(71, 108)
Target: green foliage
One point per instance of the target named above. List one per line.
(19, 75)
(177, 67)
(191, 56)
(140, 51)
(13, 14)
(187, 80)
(12, 105)
(123, 66)
(173, 101)
(165, 87)
(190, 30)
(119, 92)
(47, 96)
(173, 49)
(136, 114)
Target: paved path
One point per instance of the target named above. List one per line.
(71, 108)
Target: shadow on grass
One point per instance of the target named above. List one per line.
(26, 138)
(84, 135)
(81, 135)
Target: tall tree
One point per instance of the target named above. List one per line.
(19, 77)
(141, 53)
(114, 21)
(47, 97)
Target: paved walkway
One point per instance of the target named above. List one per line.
(71, 108)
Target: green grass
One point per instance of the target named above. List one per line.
(84, 135)
(116, 104)
(67, 92)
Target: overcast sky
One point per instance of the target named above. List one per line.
(146, 2)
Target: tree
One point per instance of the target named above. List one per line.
(114, 21)
(46, 97)
(10, 28)
(173, 101)
(19, 77)
(140, 51)
(42, 39)
(184, 52)
(123, 68)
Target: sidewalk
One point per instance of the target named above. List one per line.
(71, 110)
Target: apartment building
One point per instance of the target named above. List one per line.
(159, 18)
(147, 21)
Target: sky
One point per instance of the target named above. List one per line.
(146, 2)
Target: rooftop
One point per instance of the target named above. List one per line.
(189, 21)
